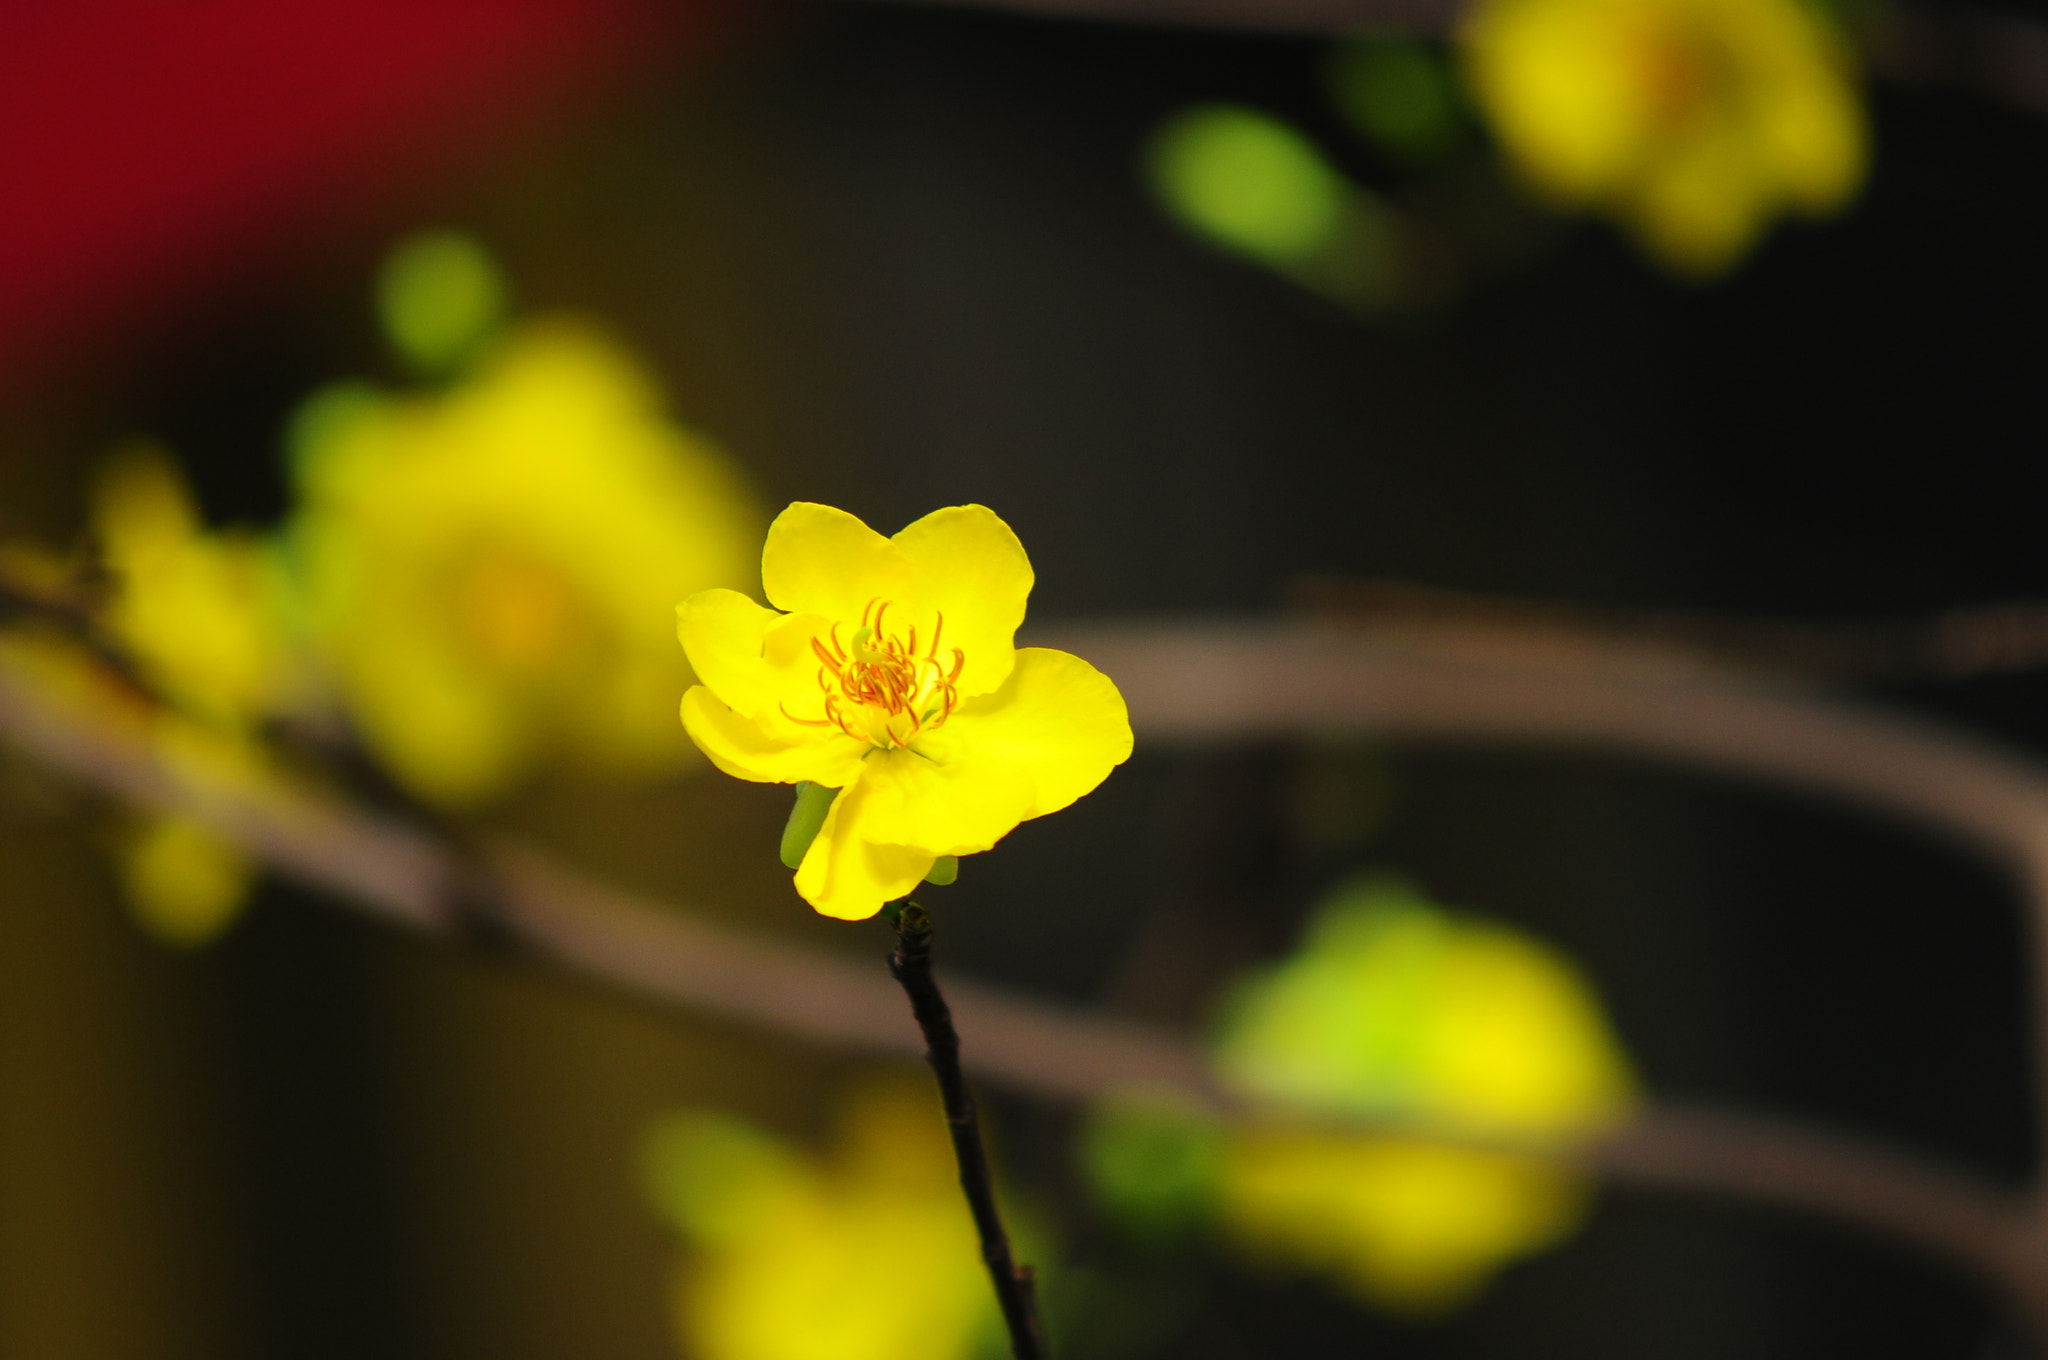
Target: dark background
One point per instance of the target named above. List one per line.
(897, 258)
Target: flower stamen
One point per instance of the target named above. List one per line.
(885, 691)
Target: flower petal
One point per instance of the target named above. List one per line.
(961, 807)
(722, 632)
(745, 749)
(758, 662)
(820, 560)
(846, 875)
(1056, 719)
(970, 568)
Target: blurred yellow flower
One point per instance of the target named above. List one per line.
(1693, 121)
(1395, 1008)
(201, 613)
(490, 570)
(894, 679)
(870, 1256)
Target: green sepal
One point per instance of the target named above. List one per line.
(806, 819)
(944, 870)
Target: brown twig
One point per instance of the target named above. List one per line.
(910, 963)
(1999, 56)
(1217, 682)
(72, 609)
(1955, 645)
(1188, 684)
(1259, 16)
(1779, 1164)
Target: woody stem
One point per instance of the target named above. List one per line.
(910, 963)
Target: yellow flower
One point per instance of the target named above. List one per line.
(871, 1255)
(490, 571)
(1397, 1009)
(203, 616)
(1412, 1227)
(894, 679)
(200, 612)
(1693, 121)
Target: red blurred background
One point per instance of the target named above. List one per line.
(151, 150)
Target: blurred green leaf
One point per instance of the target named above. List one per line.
(1248, 182)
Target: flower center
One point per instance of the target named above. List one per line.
(879, 687)
(1681, 72)
(515, 612)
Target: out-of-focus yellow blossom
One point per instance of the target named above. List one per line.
(1395, 1008)
(200, 612)
(894, 679)
(1393, 1005)
(490, 570)
(184, 884)
(1693, 121)
(1411, 1227)
(870, 1256)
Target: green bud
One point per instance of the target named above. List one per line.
(439, 295)
(1248, 182)
(945, 869)
(806, 819)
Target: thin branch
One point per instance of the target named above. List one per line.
(1016, 1291)
(1217, 682)
(1201, 684)
(1776, 1163)
(1957, 644)
(1256, 16)
(1998, 56)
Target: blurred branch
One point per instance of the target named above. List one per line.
(2000, 56)
(1266, 16)
(1772, 1162)
(1203, 683)
(1216, 682)
(1959, 644)
(72, 610)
